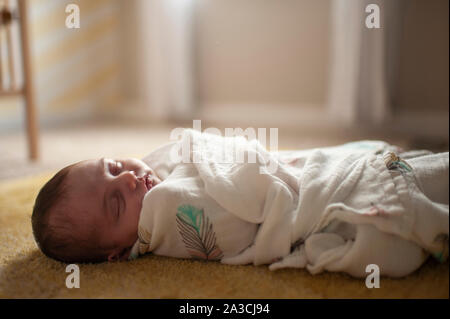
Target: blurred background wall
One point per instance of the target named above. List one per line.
(270, 62)
(237, 63)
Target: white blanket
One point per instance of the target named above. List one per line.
(337, 209)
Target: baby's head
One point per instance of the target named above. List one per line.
(89, 211)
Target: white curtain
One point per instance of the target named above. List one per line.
(166, 79)
(363, 62)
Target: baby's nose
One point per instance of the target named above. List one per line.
(129, 178)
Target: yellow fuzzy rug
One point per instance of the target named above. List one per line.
(26, 273)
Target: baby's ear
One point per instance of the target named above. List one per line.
(114, 256)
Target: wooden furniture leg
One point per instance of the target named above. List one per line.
(28, 87)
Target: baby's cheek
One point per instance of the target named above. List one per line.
(138, 208)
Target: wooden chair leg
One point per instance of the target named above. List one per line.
(32, 128)
(28, 88)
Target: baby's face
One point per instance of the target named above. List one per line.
(108, 195)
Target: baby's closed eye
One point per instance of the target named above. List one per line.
(115, 168)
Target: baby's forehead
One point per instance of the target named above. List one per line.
(86, 171)
(84, 184)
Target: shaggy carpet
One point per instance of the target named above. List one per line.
(26, 273)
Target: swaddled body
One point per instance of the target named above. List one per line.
(336, 209)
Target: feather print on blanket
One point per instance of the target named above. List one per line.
(197, 233)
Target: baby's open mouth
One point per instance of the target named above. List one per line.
(148, 182)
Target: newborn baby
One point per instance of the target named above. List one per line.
(331, 209)
(89, 211)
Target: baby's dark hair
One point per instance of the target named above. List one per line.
(55, 232)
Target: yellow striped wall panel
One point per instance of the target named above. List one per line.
(74, 69)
